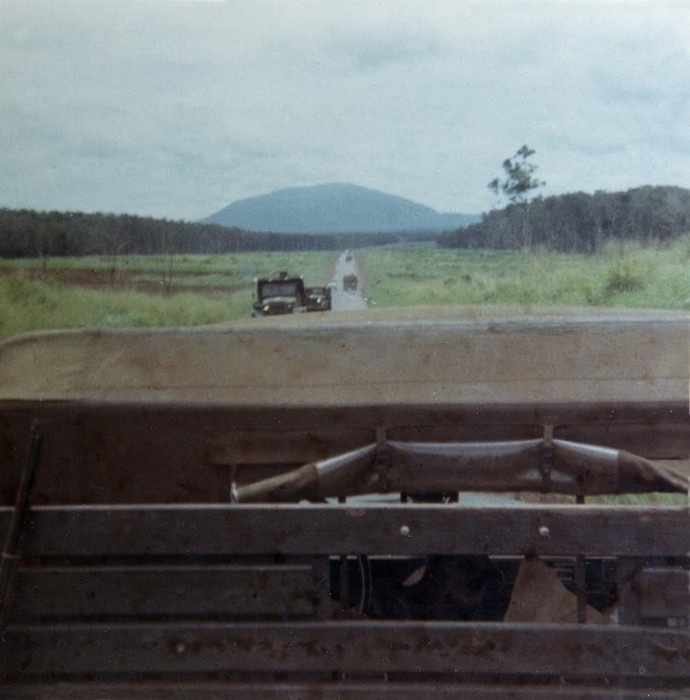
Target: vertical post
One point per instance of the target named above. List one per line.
(11, 551)
(344, 575)
(627, 569)
(321, 569)
(581, 578)
(581, 588)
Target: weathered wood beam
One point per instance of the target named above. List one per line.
(460, 649)
(397, 529)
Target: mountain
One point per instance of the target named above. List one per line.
(334, 208)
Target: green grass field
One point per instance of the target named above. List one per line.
(34, 295)
(139, 291)
(643, 277)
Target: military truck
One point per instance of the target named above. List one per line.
(387, 503)
(318, 298)
(350, 282)
(279, 294)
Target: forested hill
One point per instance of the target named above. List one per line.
(574, 222)
(335, 208)
(581, 222)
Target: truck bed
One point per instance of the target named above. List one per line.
(280, 507)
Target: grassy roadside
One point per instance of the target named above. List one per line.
(634, 276)
(30, 305)
(32, 295)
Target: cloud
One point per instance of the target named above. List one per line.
(374, 52)
(175, 108)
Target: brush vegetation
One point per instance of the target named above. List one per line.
(623, 275)
(141, 291)
(33, 296)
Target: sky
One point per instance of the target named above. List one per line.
(176, 108)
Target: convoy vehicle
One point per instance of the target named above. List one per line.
(382, 503)
(350, 283)
(279, 294)
(318, 298)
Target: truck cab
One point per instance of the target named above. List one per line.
(350, 282)
(279, 294)
(318, 298)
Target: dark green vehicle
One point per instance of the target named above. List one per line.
(318, 298)
(350, 283)
(279, 294)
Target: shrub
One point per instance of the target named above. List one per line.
(624, 275)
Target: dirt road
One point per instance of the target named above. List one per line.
(342, 300)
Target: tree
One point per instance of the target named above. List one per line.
(518, 183)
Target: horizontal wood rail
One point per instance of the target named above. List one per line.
(223, 599)
(397, 529)
(459, 649)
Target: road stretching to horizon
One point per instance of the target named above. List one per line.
(342, 300)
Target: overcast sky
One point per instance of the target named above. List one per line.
(175, 108)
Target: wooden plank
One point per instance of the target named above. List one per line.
(334, 689)
(547, 651)
(283, 446)
(136, 453)
(381, 529)
(451, 355)
(187, 591)
(663, 592)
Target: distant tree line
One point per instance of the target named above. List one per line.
(31, 234)
(582, 222)
(576, 222)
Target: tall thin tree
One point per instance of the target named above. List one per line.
(518, 183)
